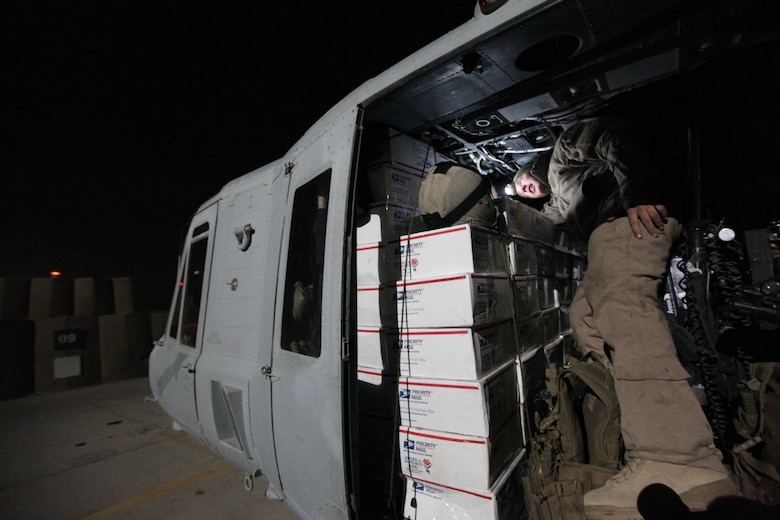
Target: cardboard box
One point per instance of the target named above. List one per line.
(519, 217)
(377, 348)
(522, 257)
(383, 222)
(376, 306)
(390, 146)
(529, 332)
(526, 295)
(375, 263)
(461, 300)
(504, 500)
(545, 260)
(551, 325)
(532, 379)
(451, 250)
(394, 183)
(459, 461)
(546, 292)
(478, 408)
(563, 262)
(544, 229)
(460, 353)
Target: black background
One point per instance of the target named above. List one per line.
(119, 118)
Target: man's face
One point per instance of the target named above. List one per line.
(530, 187)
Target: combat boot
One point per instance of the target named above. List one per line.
(617, 499)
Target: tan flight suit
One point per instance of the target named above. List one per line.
(597, 171)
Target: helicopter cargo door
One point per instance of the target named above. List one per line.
(308, 362)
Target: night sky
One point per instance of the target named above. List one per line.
(118, 118)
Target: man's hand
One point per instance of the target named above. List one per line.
(650, 216)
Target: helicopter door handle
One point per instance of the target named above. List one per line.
(188, 368)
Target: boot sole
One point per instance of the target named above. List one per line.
(697, 499)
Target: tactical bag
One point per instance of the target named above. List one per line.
(578, 445)
(453, 194)
(757, 460)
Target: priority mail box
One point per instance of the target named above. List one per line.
(529, 332)
(378, 348)
(526, 295)
(374, 264)
(451, 250)
(522, 257)
(459, 461)
(394, 183)
(551, 324)
(503, 501)
(544, 229)
(376, 305)
(546, 292)
(384, 221)
(476, 408)
(462, 353)
(520, 218)
(401, 149)
(461, 300)
(545, 260)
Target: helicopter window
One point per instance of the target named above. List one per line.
(301, 318)
(193, 289)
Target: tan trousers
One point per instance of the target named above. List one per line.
(617, 306)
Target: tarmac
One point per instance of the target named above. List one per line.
(110, 452)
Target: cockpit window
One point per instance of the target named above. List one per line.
(301, 318)
(190, 290)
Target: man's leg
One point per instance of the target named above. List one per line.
(661, 419)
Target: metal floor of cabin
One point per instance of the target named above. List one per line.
(104, 452)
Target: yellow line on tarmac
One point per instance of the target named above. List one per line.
(151, 494)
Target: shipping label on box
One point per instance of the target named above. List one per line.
(504, 501)
(455, 353)
(376, 306)
(394, 183)
(453, 301)
(451, 250)
(459, 461)
(476, 408)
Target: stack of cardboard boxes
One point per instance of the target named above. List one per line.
(456, 328)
